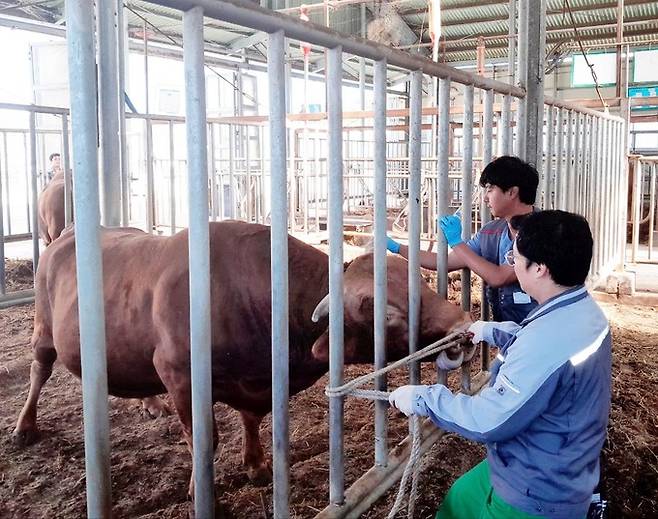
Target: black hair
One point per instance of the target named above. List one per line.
(507, 172)
(52, 156)
(562, 241)
(516, 222)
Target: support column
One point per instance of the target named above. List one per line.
(532, 78)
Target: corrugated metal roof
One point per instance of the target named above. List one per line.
(463, 22)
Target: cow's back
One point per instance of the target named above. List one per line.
(51, 209)
(146, 296)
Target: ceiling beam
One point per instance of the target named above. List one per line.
(603, 25)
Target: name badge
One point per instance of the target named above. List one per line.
(521, 298)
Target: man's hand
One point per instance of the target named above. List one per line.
(403, 399)
(392, 245)
(477, 329)
(452, 229)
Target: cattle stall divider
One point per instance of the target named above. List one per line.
(387, 469)
(644, 208)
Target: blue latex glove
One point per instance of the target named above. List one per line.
(392, 245)
(452, 229)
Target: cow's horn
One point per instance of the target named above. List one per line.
(445, 362)
(321, 310)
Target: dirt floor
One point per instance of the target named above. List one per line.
(151, 465)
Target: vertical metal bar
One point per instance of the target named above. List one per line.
(261, 196)
(443, 186)
(6, 157)
(122, 36)
(3, 282)
(172, 180)
(511, 44)
(66, 159)
(568, 173)
(606, 194)
(150, 189)
(381, 424)
(504, 133)
(279, 272)
(467, 190)
(215, 197)
(637, 207)
(336, 361)
(199, 257)
(28, 180)
(591, 170)
(522, 111)
(247, 130)
(415, 139)
(484, 210)
(548, 170)
(575, 175)
(652, 209)
(89, 266)
(108, 100)
(34, 189)
(559, 178)
(231, 171)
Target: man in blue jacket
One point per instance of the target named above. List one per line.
(510, 187)
(543, 417)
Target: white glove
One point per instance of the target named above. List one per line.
(477, 329)
(403, 398)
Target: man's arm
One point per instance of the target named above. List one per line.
(428, 259)
(522, 391)
(493, 275)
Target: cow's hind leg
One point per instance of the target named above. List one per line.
(253, 456)
(26, 431)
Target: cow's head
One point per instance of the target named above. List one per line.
(438, 317)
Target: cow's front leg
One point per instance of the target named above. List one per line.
(176, 378)
(154, 406)
(253, 456)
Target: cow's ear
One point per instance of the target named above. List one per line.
(395, 317)
(320, 348)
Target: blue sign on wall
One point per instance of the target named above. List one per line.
(643, 91)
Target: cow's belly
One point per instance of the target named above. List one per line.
(130, 370)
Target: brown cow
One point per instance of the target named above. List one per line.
(147, 320)
(51, 209)
(51, 225)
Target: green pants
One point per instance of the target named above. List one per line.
(473, 497)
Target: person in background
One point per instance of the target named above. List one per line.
(544, 415)
(510, 188)
(55, 160)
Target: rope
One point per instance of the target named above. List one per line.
(414, 464)
(410, 469)
(454, 339)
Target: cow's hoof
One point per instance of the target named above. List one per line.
(260, 476)
(25, 437)
(155, 407)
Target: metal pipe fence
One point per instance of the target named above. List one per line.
(643, 209)
(238, 168)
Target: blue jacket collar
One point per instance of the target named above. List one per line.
(567, 297)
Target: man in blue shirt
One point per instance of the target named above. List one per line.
(543, 417)
(510, 187)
